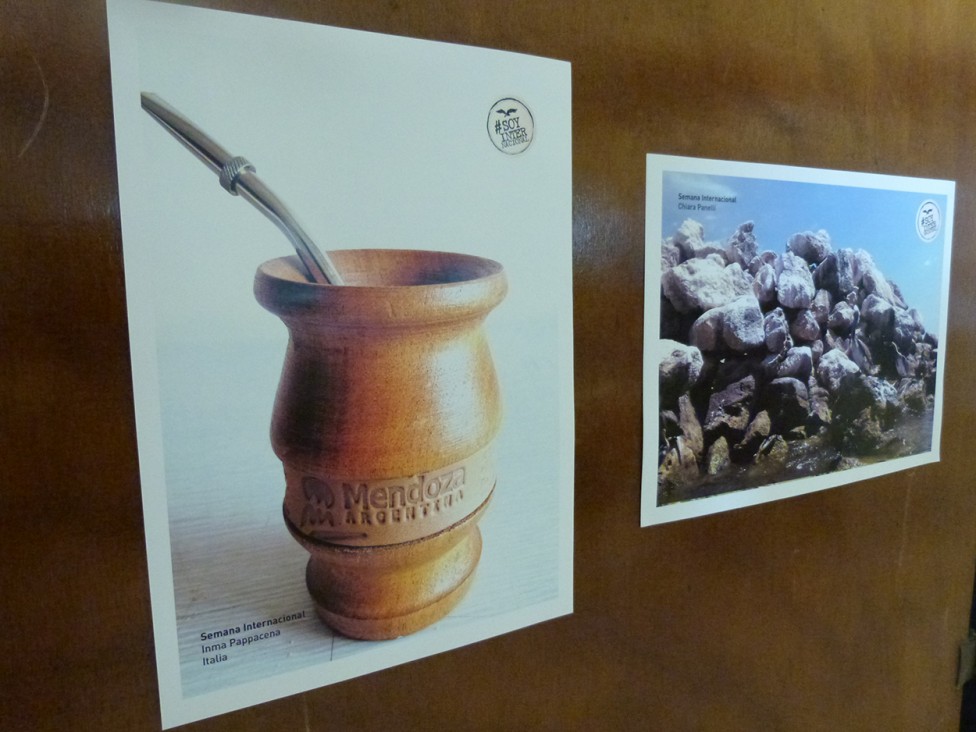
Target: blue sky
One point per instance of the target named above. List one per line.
(877, 220)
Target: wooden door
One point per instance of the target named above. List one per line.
(839, 610)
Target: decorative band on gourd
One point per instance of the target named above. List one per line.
(363, 512)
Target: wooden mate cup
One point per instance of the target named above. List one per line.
(384, 417)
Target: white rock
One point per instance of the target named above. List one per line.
(794, 286)
(833, 367)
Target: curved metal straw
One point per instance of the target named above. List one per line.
(239, 177)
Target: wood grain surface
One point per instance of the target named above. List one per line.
(836, 610)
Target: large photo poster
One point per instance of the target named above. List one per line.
(341, 475)
(795, 324)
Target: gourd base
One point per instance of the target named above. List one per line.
(384, 592)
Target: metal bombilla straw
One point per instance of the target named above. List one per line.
(239, 177)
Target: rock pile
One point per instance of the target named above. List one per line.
(763, 349)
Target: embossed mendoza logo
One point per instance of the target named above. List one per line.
(510, 125)
(380, 502)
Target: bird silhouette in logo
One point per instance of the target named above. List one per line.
(506, 112)
(927, 211)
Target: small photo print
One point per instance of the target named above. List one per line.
(795, 325)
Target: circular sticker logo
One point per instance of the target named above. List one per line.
(928, 220)
(510, 125)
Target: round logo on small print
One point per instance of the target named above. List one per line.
(510, 125)
(928, 221)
